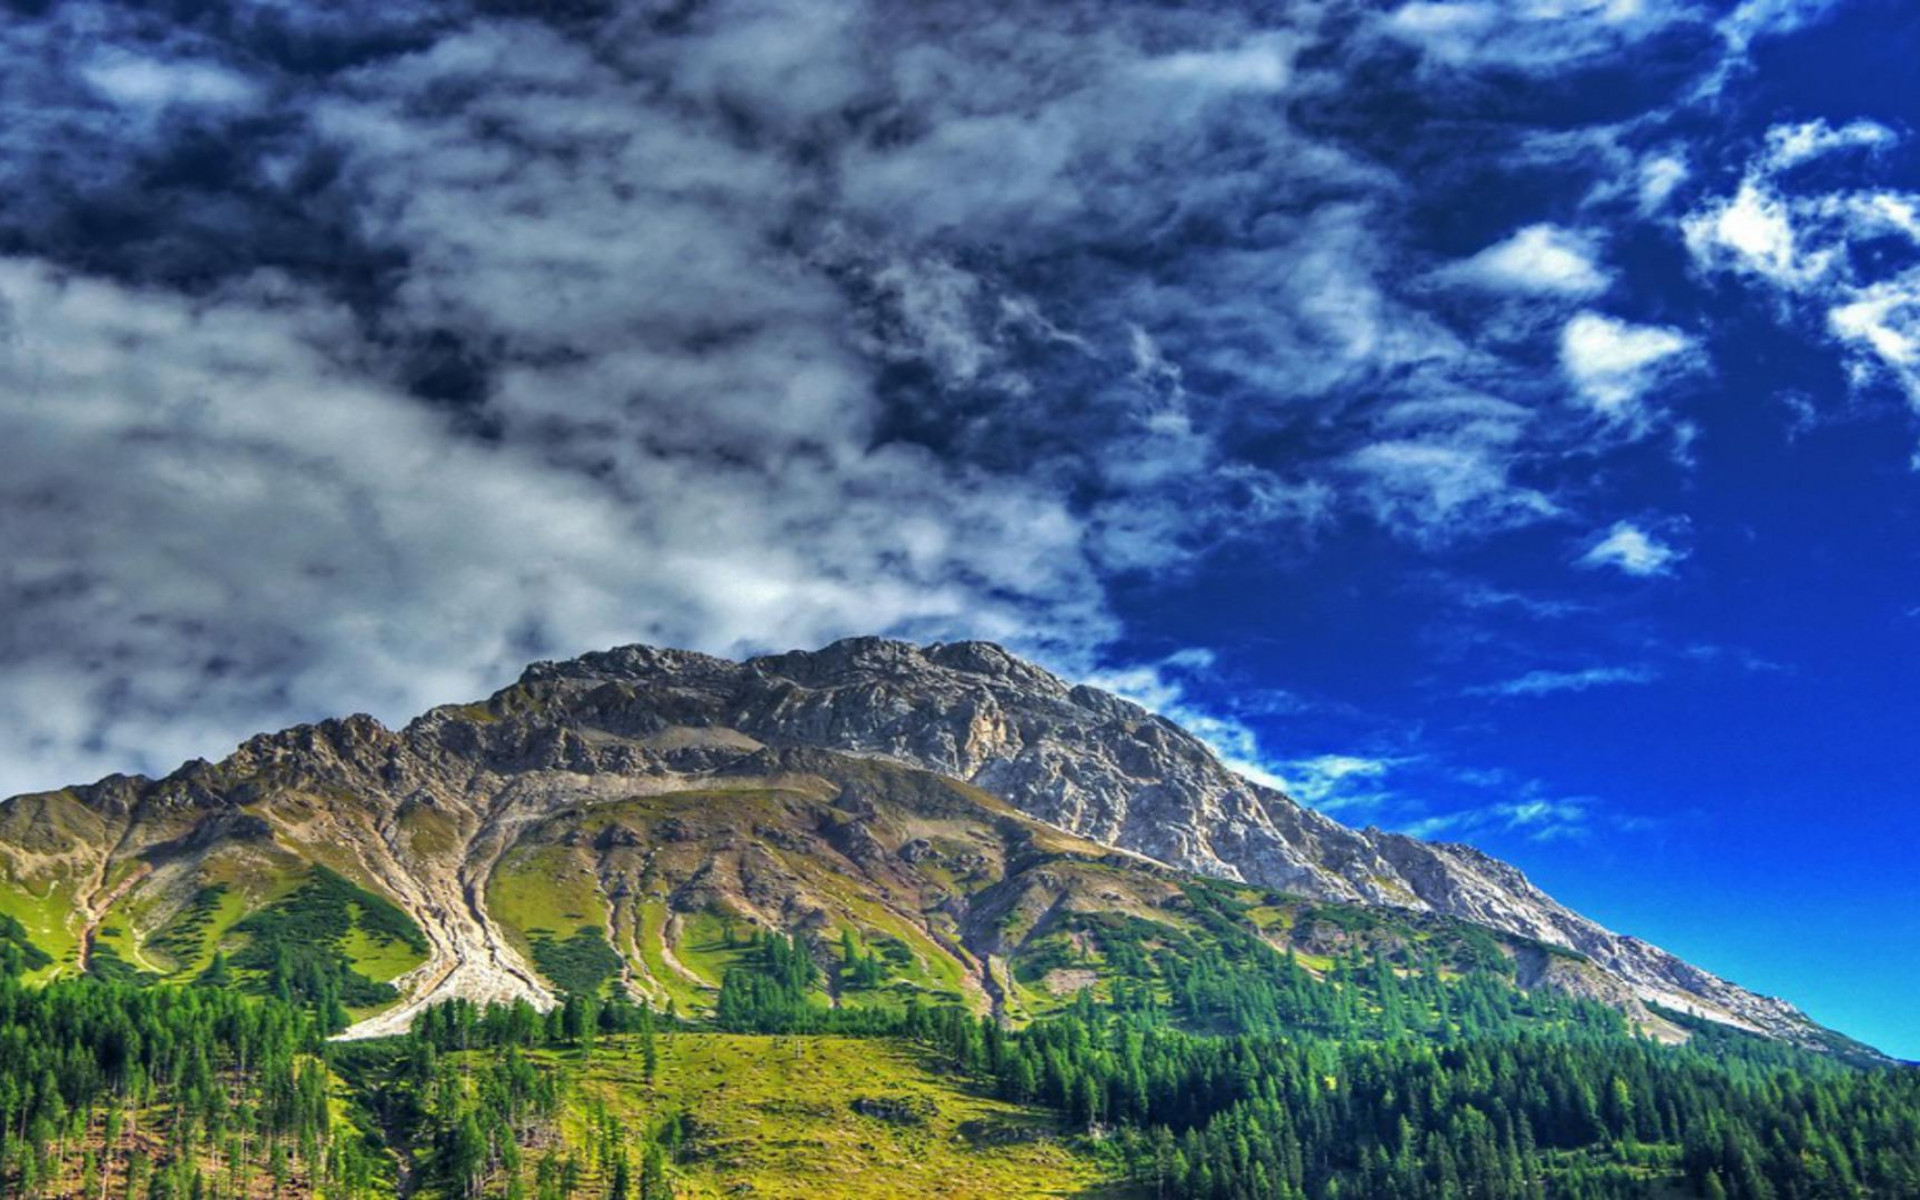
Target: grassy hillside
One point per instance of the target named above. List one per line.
(902, 887)
(1215, 1066)
(829, 1116)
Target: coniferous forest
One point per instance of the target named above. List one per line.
(1240, 1076)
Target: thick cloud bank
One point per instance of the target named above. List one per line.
(354, 354)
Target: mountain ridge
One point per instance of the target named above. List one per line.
(1235, 827)
(351, 794)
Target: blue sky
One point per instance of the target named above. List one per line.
(1491, 418)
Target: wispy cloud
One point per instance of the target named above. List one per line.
(1339, 782)
(152, 84)
(1788, 146)
(1479, 595)
(1628, 548)
(1535, 38)
(1437, 489)
(1541, 820)
(1546, 682)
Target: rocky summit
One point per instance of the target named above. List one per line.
(600, 813)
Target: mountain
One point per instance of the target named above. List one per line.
(973, 826)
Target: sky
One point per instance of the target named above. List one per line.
(1492, 419)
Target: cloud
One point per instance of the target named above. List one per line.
(1539, 819)
(263, 533)
(1754, 232)
(1751, 21)
(1613, 364)
(1550, 682)
(1631, 550)
(356, 353)
(1661, 175)
(1754, 19)
(1788, 146)
(1534, 36)
(1536, 260)
(1474, 594)
(153, 84)
(1263, 64)
(1434, 490)
(1883, 321)
(1819, 251)
(1338, 782)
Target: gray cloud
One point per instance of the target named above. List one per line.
(355, 355)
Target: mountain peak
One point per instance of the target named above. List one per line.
(1088, 763)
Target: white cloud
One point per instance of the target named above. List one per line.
(1883, 322)
(1749, 22)
(1333, 782)
(1540, 819)
(1754, 231)
(1753, 19)
(1432, 491)
(1802, 246)
(1536, 36)
(1536, 260)
(1789, 146)
(1630, 549)
(1613, 364)
(1261, 64)
(266, 535)
(1660, 176)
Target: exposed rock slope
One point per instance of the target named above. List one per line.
(1108, 770)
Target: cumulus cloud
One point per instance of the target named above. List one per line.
(1628, 548)
(1753, 231)
(1536, 260)
(1613, 364)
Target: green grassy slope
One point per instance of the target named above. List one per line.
(776, 1117)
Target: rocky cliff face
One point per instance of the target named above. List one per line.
(426, 814)
(1105, 769)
